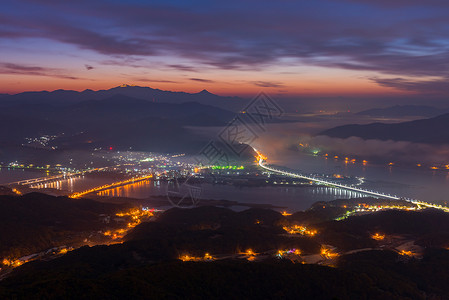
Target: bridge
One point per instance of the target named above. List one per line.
(325, 182)
(111, 186)
(48, 179)
(276, 169)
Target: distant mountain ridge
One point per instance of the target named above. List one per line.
(124, 117)
(128, 107)
(120, 120)
(431, 131)
(69, 97)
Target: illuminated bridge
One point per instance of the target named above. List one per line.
(279, 170)
(42, 180)
(48, 179)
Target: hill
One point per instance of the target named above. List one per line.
(432, 131)
(219, 280)
(36, 222)
(146, 266)
(118, 121)
(124, 117)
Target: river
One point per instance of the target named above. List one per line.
(417, 183)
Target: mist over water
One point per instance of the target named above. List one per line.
(404, 178)
(280, 142)
(412, 182)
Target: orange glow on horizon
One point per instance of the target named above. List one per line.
(220, 83)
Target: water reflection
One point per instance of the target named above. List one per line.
(416, 183)
(63, 184)
(74, 184)
(336, 193)
(139, 189)
(8, 175)
(296, 198)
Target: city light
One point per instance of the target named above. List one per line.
(206, 257)
(136, 215)
(378, 237)
(406, 253)
(227, 167)
(110, 186)
(301, 230)
(260, 156)
(328, 253)
(286, 253)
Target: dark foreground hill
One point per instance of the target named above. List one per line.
(146, 265)
(36, 222)
(221, 280)
(431, 131)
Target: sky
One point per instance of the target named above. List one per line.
(283, 47)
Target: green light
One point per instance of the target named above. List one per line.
(147, 159)
(227, 167)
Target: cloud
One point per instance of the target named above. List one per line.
(202, 80)
(155, 80)
(397, 64)
(424, 86)
(128, 61)
(183, 68)
(88, 67)
(391, 37)
(403, 3)
(17, 69)
(267, 84)
(399, 151)
(100, 42)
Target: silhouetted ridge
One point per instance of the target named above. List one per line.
(431, 130)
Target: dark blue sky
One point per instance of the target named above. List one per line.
(230, 47)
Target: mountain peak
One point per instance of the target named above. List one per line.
(205, 92)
